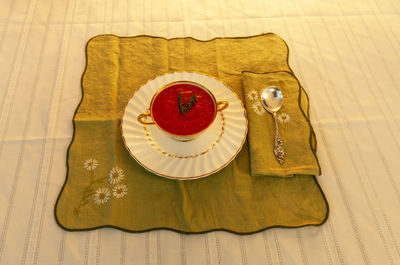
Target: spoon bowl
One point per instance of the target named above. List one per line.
(272, 100)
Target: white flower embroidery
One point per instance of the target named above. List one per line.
(120, 191)
(116, 175)
(252, 95)
(283, 118)
(90, 164)
(258, 108)
(102, 195)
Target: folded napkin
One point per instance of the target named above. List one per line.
(294, 126)
(105, 186)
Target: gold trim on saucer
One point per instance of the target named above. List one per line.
(227, 161)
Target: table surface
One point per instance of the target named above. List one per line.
(345, 53)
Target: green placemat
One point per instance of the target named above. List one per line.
(105, 186)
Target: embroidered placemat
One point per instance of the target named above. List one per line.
(105, 186)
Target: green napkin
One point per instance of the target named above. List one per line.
(294, 125)
(105, 186)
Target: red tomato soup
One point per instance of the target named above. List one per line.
(166, 111)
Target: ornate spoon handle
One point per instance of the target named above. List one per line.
(279, 152)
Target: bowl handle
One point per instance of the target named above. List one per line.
(221, 105)
(144, 115)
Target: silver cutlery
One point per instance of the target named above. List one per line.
(272, 100)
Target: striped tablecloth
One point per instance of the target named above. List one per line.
(347, 55)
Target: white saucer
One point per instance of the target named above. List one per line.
(207, 154)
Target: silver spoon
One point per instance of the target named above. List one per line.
(272, 100)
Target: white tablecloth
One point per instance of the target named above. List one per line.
(345, 53)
